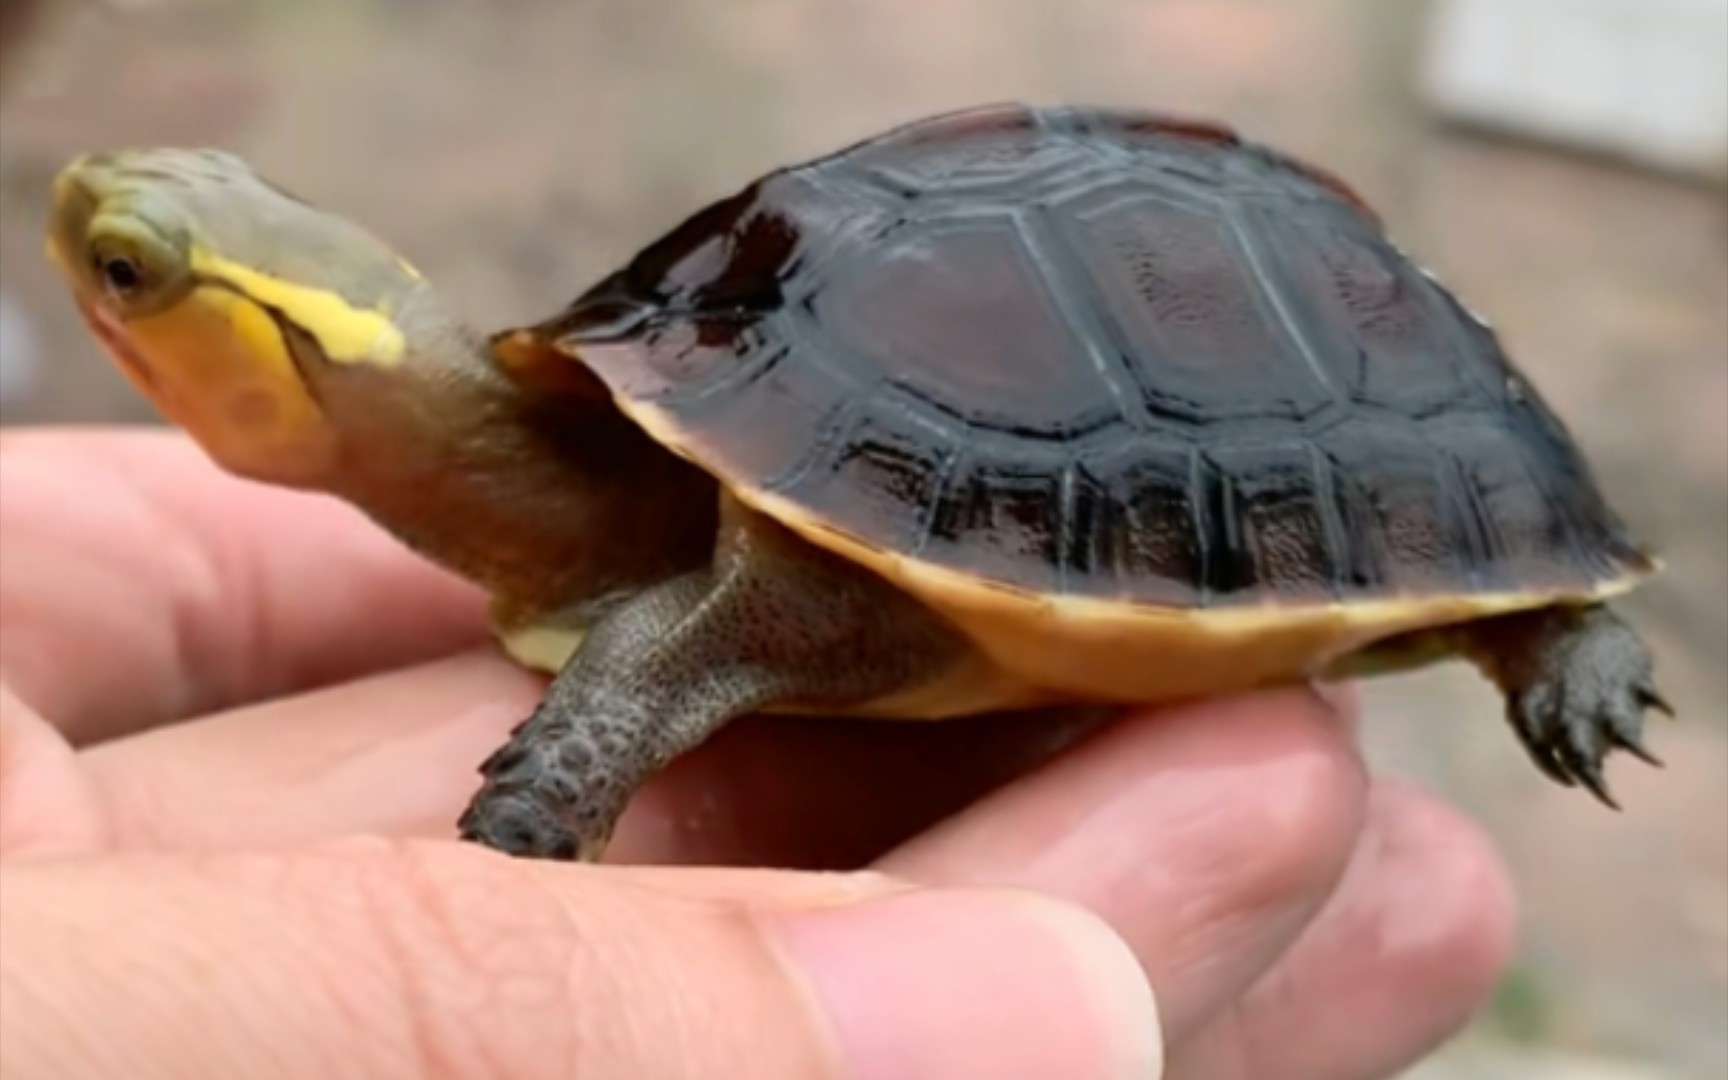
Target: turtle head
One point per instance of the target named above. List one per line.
(238, 309)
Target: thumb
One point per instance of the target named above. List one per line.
(369, 959)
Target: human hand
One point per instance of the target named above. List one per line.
(269, 889)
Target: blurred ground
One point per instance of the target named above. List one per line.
(516, 149)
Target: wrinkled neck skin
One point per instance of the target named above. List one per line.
(554, 506)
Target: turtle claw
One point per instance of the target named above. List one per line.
(1634, 746)
(1650, 698)
(1571, 726)
(1529, 714)
(1570, 739)
(503, 759)
(1590, 774)
(1578, 682)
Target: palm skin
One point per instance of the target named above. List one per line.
(238, 724)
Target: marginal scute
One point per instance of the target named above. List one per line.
(1003, 521)
(1139, 536)
(1285, 534)
(1082, 362)
(1401, 510)
(875, 468)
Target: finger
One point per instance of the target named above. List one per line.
(1207, 836)
(830, 793)
(1407, 950)
(143, 585)
(393, 754)
(375, 960)
(397, 754)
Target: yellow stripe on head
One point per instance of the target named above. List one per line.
(345, 334)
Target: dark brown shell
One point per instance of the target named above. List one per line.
(1101, 355)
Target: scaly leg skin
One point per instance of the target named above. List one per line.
(774, 621)
(1577, 682)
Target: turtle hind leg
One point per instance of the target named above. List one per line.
(772, 623)
(1577, 682)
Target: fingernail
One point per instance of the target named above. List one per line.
(965, 983)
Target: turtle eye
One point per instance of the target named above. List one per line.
(135, 272)
(121, 275)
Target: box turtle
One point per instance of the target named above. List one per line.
(1000, 409)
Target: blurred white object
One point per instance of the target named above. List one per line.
(1643, 79)
(20, 353)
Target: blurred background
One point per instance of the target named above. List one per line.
(1561, 163)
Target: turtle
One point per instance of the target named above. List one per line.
(1007, 408)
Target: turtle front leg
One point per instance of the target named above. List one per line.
(1577, 682)
(773, 622)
